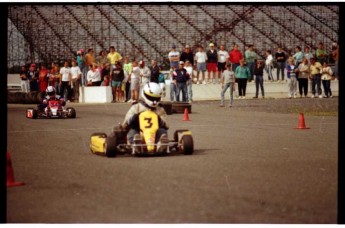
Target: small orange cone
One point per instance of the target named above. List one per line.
(185, 116)
(10, 176)
(301, 123)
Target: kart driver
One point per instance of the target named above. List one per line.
(51, 95)
(150, 98)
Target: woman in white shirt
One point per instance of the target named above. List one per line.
(94, 76)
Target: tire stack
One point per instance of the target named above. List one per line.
(34, 97)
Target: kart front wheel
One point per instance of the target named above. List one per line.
(187, 145)
(111, 147)
(71, 113)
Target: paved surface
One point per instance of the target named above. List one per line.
(249, 166)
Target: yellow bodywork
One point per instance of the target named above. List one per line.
(97, 144)
(148, 123)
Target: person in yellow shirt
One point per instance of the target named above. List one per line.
(113, 57)
(315, 76)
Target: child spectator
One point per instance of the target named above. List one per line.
(228, 81)
(117, 75)
(326, 77)
(105, 81)
(292, 79)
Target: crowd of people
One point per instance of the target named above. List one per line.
(127, 76)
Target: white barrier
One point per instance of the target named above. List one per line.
(95, 94)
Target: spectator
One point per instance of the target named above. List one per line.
(291, 70)
(82, 66)
(42, 78)
(127, 67)
(212, 60)
(250, 57)
(321, 54)
(189, 69)
(24, 84)
(113, 57)
(303, 77)
(187, 55)
(242, 73)
(223, 57)
(55, 79)
(154, 69)
(298, 57)
(200, 59)
(227, 81)
(326, 79)
(281, 59)
(102, 58)
(105, 72)
(173, 88)
(32, 76)
(117, 75)
(235, 57)
(315, 76)
(105, 81)
(307, 54)
(145, 73)
(335, 56)
(135, 81)
(180, 78)
(161, 81)
(76, 77)
(94, 76)
(90, 57)
(66, 79)
(174, 57)
(269, 65)
(259, 79)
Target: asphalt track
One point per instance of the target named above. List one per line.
(249, 166)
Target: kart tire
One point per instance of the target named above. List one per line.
(179, 107)
(187, 145)
(71, 113)
(111, 147)
(176, 134)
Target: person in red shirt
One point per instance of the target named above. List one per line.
(43, 79)
(235, 56)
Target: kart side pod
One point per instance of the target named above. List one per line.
(98, 143)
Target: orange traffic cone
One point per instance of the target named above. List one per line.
(185, 116)
(301, 123)
(10, 176)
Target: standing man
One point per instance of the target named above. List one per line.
(269, 65)
(235, 57)
(180, 78)
(66, 79)
(113, 57)
(32, 76)
(321, 54)
(90, 57)
(315, 76)
(212, 60)
(187, 55)
(281, 59)
(250, 57)
(307, 54)
(200, 59)
(76, 75)
(174, 57)
(24, 80)
(154, 71)
(223, 57)
(145, 75)
(82, 66)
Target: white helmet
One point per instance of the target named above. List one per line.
(151, 93)
(50, 91)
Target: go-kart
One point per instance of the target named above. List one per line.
(54, 109)
(116, 142)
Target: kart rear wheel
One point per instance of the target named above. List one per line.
(71, 113)
(176, 133)
(187, 145)
(111, 147)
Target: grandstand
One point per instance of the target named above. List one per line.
(45, 33)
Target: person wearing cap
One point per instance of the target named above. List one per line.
(180, 78)
(32, 76)
(227, 81)
(212, 60)
(187, 55)
(113, 57)
(223, 57)
(174, 57)
(200, 59)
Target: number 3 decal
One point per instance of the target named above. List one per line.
(149, 122)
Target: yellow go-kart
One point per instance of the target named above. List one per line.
(116, 142)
